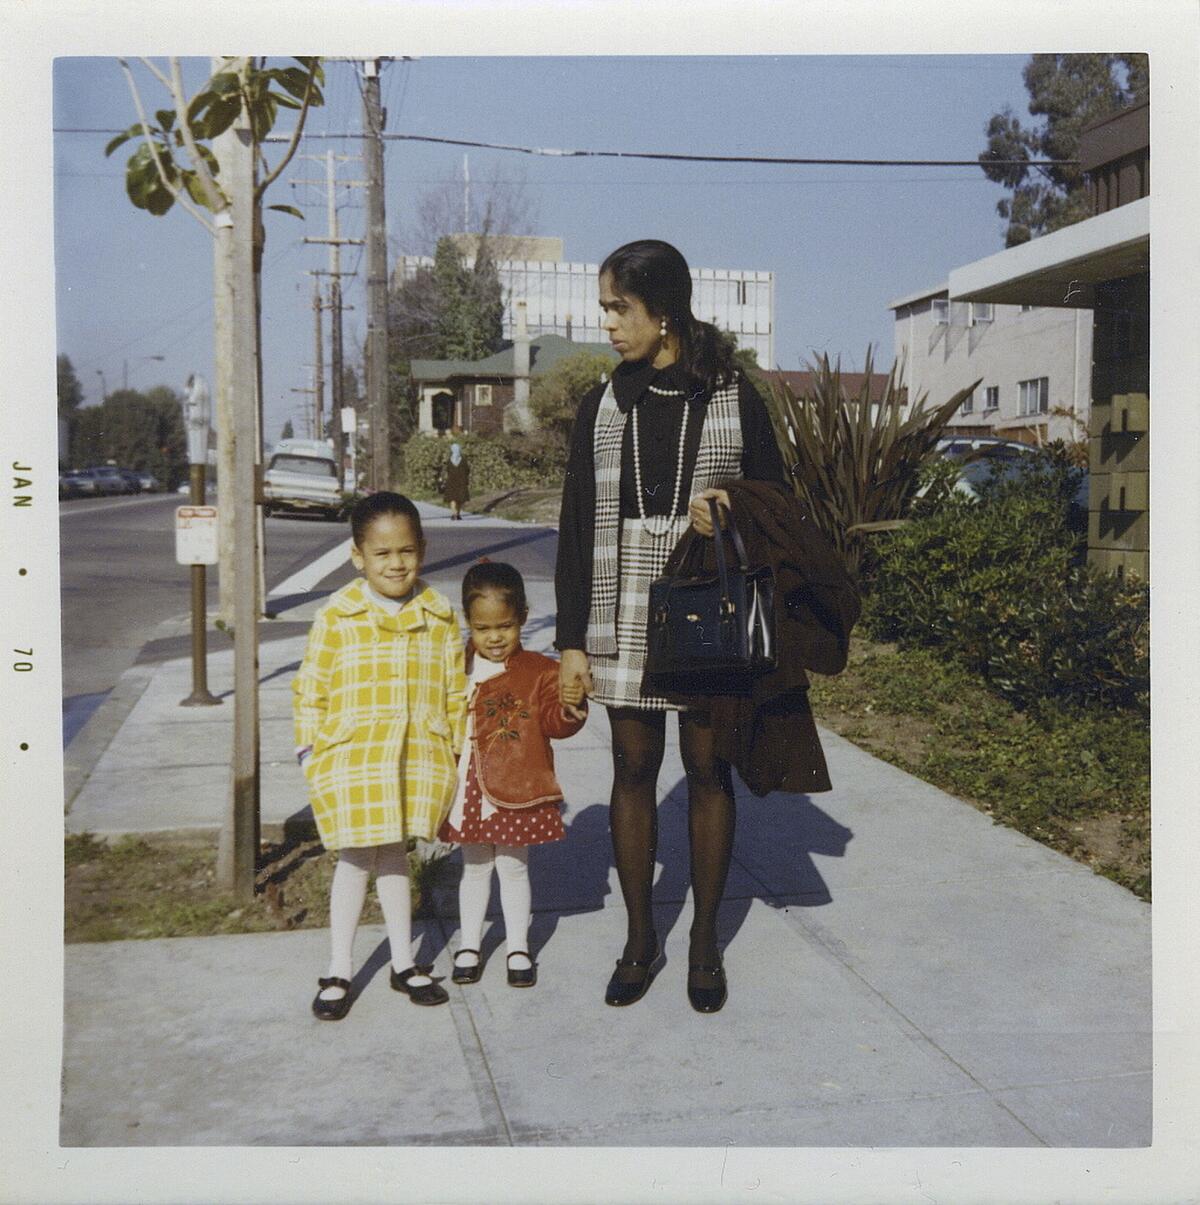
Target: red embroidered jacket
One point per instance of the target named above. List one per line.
(517, 713)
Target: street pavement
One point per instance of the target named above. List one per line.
(902, 972)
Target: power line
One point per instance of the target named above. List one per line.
(669, 156)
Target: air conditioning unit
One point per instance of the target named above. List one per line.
(982, 311)
(940, 310)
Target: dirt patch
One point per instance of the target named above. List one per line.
(165, 886)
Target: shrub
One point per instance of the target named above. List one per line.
(856, 462)
(1000, 584)
(555, 395)
(498, 462)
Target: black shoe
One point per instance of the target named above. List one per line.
(467, 974)
(425, 993)
(710, 995)
(522, 978)
(332, 1010)
(619, 992)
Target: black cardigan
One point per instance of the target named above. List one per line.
(659, 444)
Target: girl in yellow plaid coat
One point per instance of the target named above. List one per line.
(380, 711)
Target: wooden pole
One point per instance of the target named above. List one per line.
(376, 351)
(240, 836)
(319, 380)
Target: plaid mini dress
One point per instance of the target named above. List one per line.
(641, 551)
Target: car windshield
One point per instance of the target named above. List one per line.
(312, 466)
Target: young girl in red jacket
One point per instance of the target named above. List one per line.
(508, 797)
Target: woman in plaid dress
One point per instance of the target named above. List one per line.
(648, 449)
(380, 709)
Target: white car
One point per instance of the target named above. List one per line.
(303, 479)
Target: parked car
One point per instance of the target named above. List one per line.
(972, 447)
(302, 477)
(147, 480)
(74, 483)
(106, 479)
(133, 480)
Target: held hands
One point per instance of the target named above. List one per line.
(698, 510)
(574, 683)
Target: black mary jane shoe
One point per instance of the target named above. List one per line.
(619, 993)
(710, 999)
(522, 977)
(423, 993)
(467, 974)
(331, 1010)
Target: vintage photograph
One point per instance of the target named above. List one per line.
(605, 602)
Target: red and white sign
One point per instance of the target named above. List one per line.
(196, 535)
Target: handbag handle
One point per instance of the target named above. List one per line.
(738, 547)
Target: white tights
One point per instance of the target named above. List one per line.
(512, 868)
(346, 898)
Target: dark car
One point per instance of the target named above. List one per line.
(74, 483)
(147, 480)
(133, 480)
(106, 479)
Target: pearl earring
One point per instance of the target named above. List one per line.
(662, 328)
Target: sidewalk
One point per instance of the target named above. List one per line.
(902, 972)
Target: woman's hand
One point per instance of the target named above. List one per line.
(574, 683)
(698, 510)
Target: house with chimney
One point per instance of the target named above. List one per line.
(491, 395)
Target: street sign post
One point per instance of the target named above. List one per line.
(196, 534)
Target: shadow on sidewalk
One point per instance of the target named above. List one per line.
(774, 844)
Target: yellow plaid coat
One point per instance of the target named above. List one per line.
(382, 700)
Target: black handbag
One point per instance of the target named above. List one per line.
(712, 634)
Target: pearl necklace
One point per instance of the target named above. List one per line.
(667, 523)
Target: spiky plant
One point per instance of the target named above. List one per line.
(855, 462)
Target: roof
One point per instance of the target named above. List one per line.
(852, 382)
(544, 352)
(910, 298)
(1062, 268)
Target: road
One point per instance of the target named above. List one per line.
(120, 580)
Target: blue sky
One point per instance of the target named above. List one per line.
(842, 241)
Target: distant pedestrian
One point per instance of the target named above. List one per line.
(648, 449)
(380, 710)
(456, 480)
(508, 797)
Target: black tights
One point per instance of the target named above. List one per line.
(638, 742)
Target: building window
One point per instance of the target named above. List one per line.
(741, 292)
(991, 398)
(1025, 309)
(969, 402)
(1035, 396)
(940, 308)
(483, 395)
(982, 311)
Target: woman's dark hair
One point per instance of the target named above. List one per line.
(383, 502)
(494, 577)
(657, 274)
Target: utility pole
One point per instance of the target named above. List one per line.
(335, 242)
(319, 362)
(238, 849)
(376, 351)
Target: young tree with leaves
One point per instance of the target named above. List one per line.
(1067, 91)
(174, 162)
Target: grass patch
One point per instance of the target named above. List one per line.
(1076, 779)
(164, 886)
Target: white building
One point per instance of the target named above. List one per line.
(562, 298)
(1035, 363)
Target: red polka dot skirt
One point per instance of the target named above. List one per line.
(506, 826)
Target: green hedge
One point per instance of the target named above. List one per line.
(1001, 585)
(498, 462)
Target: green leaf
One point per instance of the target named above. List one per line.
(293, 79)
(121, 138)
(288, 209)
(219, 117)
(286, 101)
(166, 118)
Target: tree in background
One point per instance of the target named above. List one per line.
(136, 430)
(469, 304)
(554, 396)
(1068, 91)
(70, 391)
(288, 432)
